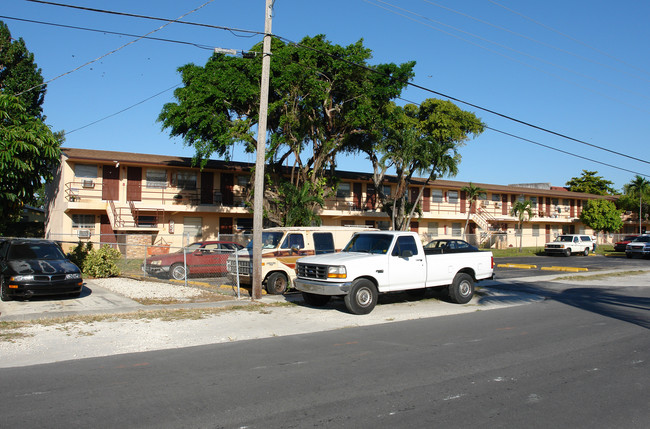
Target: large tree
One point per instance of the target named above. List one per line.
(590, 183)
(601, 215)
(320, 105)
(638, 188)
(419, 142)
(29, 151)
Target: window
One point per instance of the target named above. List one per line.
(456, 230)
(384, 225)
(186, 180)
(533, 202)
(535, 230)
(432, 229)
(496, 198)
(86, 171)
(405, 242)
(84, 221)
(436, 195)
(156, 178)
(453, 197)
(324, 243)
(555, 201)
(244, 223)
(193, 226)
(343, 190)
(521, 198)
(293, 241)
(243, 181)
(386, 190)
(482, 196)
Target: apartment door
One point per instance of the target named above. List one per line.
(134, 184)
(426, 200)
(371, 196)
(110, 183)
(207, 187)
(227, 185)
(463, 202)
(356, 195)
(106, 233)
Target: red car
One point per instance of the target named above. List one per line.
(204, 257)
(619, 246)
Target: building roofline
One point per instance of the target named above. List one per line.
(211, 164)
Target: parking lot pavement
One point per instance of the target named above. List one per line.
(93, 299)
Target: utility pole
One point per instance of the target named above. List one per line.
(258, 198)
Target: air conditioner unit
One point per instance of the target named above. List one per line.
(88, 184)
(498, 204)
(83, 233)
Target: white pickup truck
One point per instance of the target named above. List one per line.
(374, 262)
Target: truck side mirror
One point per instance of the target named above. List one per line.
(407, 253)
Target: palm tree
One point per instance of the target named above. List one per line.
(471, 193)
(520, 209)
(640, 187)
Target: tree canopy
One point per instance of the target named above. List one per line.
(601, 215)
(590, 183)
(522, 210)
(29, 151)
(320, 105)
(419, 141)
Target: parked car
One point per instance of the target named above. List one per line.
(445, 245)
(566, 244)
(30, 267)
(203, 257)
(620, 246)
(640, 246)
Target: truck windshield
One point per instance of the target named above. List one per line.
(270, 240)
(564, 238)
(369, 243)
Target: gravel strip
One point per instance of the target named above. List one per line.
(135, 289)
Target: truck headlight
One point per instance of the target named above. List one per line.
(155, 262)
(26, 278)
(73, 276)
(336, 272)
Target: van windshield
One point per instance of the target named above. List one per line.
(270, 240)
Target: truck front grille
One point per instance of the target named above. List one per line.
(312, 271)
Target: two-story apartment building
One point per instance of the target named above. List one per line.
(144, 199)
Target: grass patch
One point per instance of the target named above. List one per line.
(512, 252)
(203, 297)
(8, 331)
(603, 276)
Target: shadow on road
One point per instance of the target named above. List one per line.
(609, 302)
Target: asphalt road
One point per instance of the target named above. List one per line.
(578, 359)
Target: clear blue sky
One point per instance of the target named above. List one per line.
(579, 68)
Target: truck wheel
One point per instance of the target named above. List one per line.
(567, 252)
(461, 290)
(362, 297)
(178, 272)
(586, 252)
(276, 283)
(315, 300)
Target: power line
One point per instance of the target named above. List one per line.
(72, 27)
(525, 123)
(177, 21)
(114, 50)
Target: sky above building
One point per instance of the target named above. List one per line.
(563, 86)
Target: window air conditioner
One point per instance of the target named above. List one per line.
(83, 233)
(88, 184)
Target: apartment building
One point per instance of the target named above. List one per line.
(145, 199)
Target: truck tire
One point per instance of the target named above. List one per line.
(461, 290)
(276, 283)
(362, 297)
(178, 272)
(4, 295)
(586, 252)
(315, 300)
(567, 252)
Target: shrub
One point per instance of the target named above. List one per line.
(80, 253)
(102, 262)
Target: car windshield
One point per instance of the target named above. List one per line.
(369, 243)
(191, 248)
(270, 240)
(567, 238)
(23, 251)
